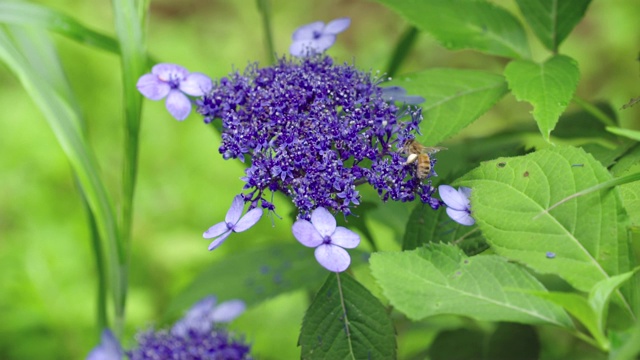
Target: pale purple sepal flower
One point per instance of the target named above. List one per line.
(233, 222)
(173, 82)
(321, 233)
(108, 349)
(316, 37)
(397, 93)
(458, 205)
(204, 314)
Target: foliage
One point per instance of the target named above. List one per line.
(553, 253)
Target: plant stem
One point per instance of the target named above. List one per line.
(594, 111)
(402, 49)
(265, 12)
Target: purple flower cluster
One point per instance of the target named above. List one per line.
(314, 130)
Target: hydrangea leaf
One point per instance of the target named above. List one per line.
(345, 321)
(548, 87)
(601, 294)
(553, 20)
(440, 279)
(630, 193)
(426, 226)
(587, 235)
(628, 133)
(484, 27)
(625, 345)
(454, 99)
(254, 276)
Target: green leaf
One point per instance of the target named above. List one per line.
(630, 193)
(586, 234)
(253, 276)
(458, 344)
(345, 321)
(601, 293)
(631, 134)
(463, 24)
(428, 226)
(23, 13)
(625, 345)
(578, 307)
(553, 20)
(440, 279)
(514, 341)
(454, 99)
(548, 87)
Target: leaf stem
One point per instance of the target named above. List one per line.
(265, 13)
(594, 111)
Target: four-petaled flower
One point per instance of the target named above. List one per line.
(458, 205)
(321, 233)
(202, 316)
(173, 82)
(316, 37)
(232, 222)
(397, 93)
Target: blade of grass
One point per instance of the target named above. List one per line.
(22, 13)
(40, 80)
(129, 20)
(402, 49)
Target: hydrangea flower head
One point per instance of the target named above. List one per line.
(329, 240)
(108, 349)
(458, 204)
(173, 82)
(314, 130)
(201, 316)
(233, 222)
(316, 37)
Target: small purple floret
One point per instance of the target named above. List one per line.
(458, 204)
(204, 314)
(399, 94)
(329, 240)
(108, 349)
(233, 222)
(316, 37)
(173, 82)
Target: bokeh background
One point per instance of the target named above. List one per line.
(47, 274)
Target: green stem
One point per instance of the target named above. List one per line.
(593, 110)
(402, 49)
(265, 13)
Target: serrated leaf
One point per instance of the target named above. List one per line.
(548, 87)
(553, 20)
(460, 24)
(578, 307)
(253, 276)
(601, 293)
(440, 279)
(345, 321)
(427, 226)
(454, 99)
(630, 193)
(586, 235)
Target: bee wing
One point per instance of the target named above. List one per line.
(433, 149)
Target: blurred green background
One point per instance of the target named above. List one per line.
(47, 275)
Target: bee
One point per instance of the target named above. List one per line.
(419, 154)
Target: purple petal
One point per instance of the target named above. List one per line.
(306, 233)
(337, 26)
(152, 88)
(333, 258)
(465, 191)
(345, 238)
(196, 84)
(178, 105)
(453, 198)
(216, 230)
(301, 48)
(227, 311)
(108, 349)
(202, 308)
(461, 217)
(323, 221)
(307, 32)
(169, 72)
(323, 43)
(235, 211)
(248, 220)
(217, 242)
